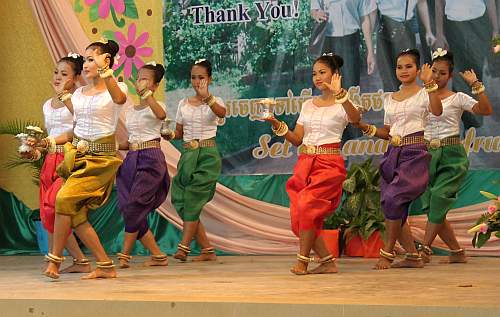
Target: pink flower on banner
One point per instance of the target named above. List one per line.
(105, 6)
(492, 209)
(483, 228)
(130, 50)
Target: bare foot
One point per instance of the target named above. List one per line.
(425, 257)
(100, 273)
(406, 263)
(455, 258)
(52, 270)
(180, 255)
(382, 264)
(156, 262)
(205, 257)
(124, 263)
(300, 268)
(77, 268)
(399, 250)
(325, 268)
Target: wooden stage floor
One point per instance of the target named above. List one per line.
(254, 286)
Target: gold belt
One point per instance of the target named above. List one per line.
(194, 144)
(85, 146)
(58, 149)
(318, 149)
(136, 146)
(407, 140)
(437, 143)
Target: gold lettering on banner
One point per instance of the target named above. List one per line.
(365, 147)
(276, 150)
(369, 100)
(250, 108)
(475, 143)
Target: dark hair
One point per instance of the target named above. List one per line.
(158, 70)
(111, 47)
(75, 63)
(448, 57)
(204, 63)
(413, 53)
(334, 62)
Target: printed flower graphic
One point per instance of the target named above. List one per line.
(131, 50)
(105, 6)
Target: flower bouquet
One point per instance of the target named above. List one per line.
(488, 223)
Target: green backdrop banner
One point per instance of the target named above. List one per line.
(18, 230)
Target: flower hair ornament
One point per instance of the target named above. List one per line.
(73, 55)
(439, 53)
(327, 54)
(406, 50)
(152, 63)
(201, 60)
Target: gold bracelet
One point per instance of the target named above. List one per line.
(65, 97)
(146, 94)
(431, 86)
(281, 130)
(210, 100)
(370, 131)
(106, 74)
(478, 87)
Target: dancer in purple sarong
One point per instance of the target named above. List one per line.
(404, 169)
(142, 179)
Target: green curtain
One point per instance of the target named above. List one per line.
(18, 232)
(18, 229)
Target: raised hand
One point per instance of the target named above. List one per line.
(141, 86)
(426, 73)
(61, 87)
(203, 89)
(469, 76)
(335, 84)
(101, 60)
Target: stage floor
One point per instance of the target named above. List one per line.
(254, 285)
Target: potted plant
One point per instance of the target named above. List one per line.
(364, 232)
(333, 227)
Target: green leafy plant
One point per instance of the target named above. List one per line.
(362, 205)
(337, 220)
(14, 127)
(488, 223)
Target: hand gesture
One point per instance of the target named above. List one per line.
(271, 119)
(101, 60)
(141, 86)
(202, 89)
(61, 87)
(336, 83)
(469, 76)
(426, 73)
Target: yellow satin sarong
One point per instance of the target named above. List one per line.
(89, 179)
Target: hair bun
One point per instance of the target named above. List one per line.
(339, 60)
(113, 47)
